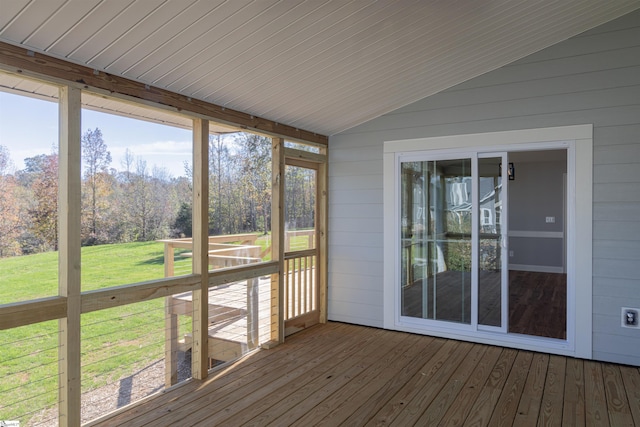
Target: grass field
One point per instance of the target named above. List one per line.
(114, 343)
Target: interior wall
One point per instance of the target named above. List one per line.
(535, 194)
(591, 78)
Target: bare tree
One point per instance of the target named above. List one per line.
(10, 219)
(96, 159)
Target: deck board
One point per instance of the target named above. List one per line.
(531, 399)
(594, 398)
(341, 374)
(552, 406)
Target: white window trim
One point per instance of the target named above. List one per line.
(578, 140)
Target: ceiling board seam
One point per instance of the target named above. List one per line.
(254, 58)
(88, 39)
(16, 17)
(371, 63)
(26, 40)
(275, 58)
(298, 69)
(159, 47)
(166, 59)
(207, 49)
(127, 31)
(71, 28)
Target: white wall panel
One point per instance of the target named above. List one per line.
(604, 211)
(361, 182)
(350, 224)
(340, 196)
(353, 210)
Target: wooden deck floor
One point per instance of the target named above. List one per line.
(340, 374)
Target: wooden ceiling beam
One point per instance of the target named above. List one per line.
(21, 60)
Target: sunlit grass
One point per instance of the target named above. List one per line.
(115, 342)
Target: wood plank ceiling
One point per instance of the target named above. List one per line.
(322, 66)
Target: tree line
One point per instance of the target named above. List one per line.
(140, 203)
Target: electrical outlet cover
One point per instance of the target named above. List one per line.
(630, 317)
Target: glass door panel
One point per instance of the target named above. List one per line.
(490, 283)
(436, 212)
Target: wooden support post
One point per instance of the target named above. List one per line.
(171, 345)
(69, 202)
(170, 326)
(253, 317)
(168, 259)
(199, 351)
(277, 240)
(321, 242)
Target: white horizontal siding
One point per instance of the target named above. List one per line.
(616, 230)
(350, 312)
(593, 78)
(617, 173)
(354, 210)
(350, 224)
(617, 249)
(361, 182)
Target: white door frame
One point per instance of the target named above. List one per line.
(578, 140)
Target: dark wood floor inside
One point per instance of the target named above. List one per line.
(340, 374)
(537, 301)
(538, 304)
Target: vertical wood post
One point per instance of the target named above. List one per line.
(199, 356)
(277, 239)
(170, 326)
(321, 227)
(69, 202)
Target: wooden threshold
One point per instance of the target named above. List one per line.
(340, 374)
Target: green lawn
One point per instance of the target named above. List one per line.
(115, 342)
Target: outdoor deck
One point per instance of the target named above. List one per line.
(340, 374)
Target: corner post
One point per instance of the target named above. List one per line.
(323, 219)
(277, 240)
(199, 351)
(69, 203)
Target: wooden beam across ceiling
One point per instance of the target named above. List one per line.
(39, 65)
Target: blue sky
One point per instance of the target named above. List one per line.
(29, 127)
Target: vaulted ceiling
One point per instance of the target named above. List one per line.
(323, 66)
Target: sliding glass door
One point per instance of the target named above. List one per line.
(486, 236)
(451, 240)
(436, 239)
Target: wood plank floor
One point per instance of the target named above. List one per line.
(537, 301)
(341, 374)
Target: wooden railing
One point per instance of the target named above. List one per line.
(220, 250)
(300, 283)
(309, 234)
(233, 318)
